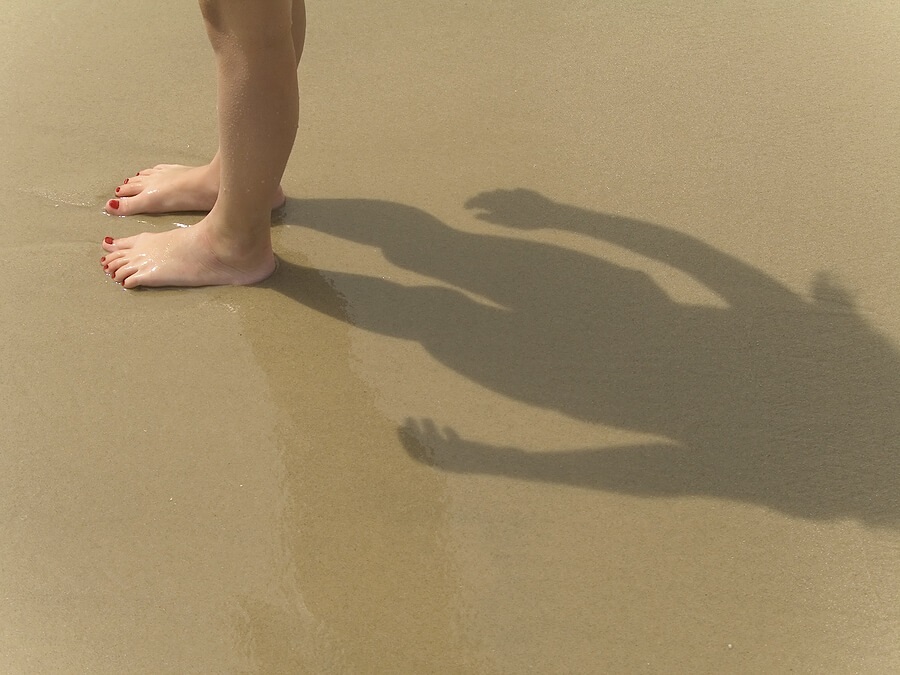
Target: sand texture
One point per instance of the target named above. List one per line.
(582, 356)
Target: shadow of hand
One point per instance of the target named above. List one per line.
(445, 449)
(519, 208)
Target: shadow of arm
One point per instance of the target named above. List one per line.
(652, 470)
(736, 281)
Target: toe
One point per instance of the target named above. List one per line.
(113, 207)
(109, 258)
(129, 188)
(132, 280)
(111, 245)
(124, 205)
(115, 266)
(123, 271)
(112, 261)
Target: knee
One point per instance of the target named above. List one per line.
(212, 14)
(248, 22)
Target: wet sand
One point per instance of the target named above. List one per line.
(583, 354)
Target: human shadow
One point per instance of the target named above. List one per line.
(775, 399)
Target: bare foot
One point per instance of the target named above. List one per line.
(168, 188)
(191, 256)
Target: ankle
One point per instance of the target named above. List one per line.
(231, 243)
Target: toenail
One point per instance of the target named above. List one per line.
(127, 179)
(108, 240)
(117, 190)
(103, 259)
(114, 203)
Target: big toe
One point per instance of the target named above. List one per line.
(125, 206)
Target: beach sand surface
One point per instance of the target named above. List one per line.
(582, 356)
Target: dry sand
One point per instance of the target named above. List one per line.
(583, 356)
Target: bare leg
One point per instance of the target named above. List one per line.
(166, 188)
(258, 109)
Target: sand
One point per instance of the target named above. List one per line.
(583, 355)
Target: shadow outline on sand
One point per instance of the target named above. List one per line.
(777, 400)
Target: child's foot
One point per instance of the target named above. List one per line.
(167, 188)
(191, 256)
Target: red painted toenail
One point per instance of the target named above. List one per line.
(114, 203)
(103, 259)
(108, 240)
(117, 190)
(127, 179)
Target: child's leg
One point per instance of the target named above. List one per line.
(174, 187)
(257, 111)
